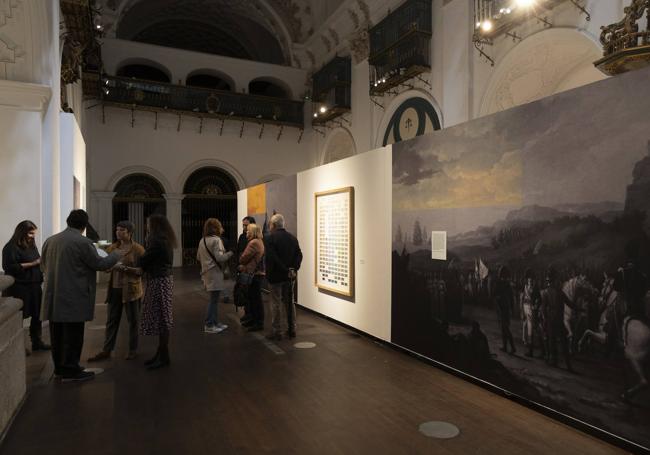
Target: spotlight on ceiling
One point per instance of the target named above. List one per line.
(525, 3)
(315, 114)
(323, 109)
(486, 26)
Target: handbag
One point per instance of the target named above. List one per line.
(225, 270)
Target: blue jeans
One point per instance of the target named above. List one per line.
(211, 318)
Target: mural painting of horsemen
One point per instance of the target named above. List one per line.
(544, 291)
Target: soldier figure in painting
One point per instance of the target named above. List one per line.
(505, 301)
(530, 303)
(553, 301)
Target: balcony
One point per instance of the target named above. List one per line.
(400, 46)
(332, 90)
(154, 96)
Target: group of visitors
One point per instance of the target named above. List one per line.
(275, 258)
(60, 286)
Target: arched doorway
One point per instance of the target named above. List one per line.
(137, 196)
(210, 192)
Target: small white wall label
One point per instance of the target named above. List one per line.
(439, 245)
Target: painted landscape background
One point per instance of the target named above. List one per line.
(557, 189)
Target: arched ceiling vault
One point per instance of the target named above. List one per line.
(261, 30)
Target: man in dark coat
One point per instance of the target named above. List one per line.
(242, 241)
(283, 259)
(70, 262)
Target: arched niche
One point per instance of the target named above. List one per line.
(339, 145)
(143, 69)
(269, 86)
(138, 196)
(542, 65)
(212, 79)
(210, 192)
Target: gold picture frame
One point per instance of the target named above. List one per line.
(334, 241)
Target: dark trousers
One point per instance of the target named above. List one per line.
(35, 329)
(115, 307)
(67, 340)
(255, 300)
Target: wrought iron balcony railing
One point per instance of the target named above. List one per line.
(331, 90)
(400, 45)
(200, 102)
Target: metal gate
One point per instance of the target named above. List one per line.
(210, 192)
(137, 197)
(195, 210)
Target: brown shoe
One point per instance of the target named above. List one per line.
(131, 355)
(103, 355)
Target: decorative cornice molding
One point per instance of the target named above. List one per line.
(24, 96)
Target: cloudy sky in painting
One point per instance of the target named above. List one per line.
(576, 147)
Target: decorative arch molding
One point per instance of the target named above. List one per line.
(398, 103)
(543, 64)
(226, 167)
(334, 145)
(216, 73)
(268, 178)
(143, 61)
(127, 171)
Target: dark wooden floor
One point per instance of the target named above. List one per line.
(235, 393)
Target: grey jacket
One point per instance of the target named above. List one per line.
(69, 263)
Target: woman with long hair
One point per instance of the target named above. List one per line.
(156, 266)
(21, 260)
(213, 258)
(252, 262)
(124, 291)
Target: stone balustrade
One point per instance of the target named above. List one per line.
(12, 356)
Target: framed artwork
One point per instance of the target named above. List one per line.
(334, 211)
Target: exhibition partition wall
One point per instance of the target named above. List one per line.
(540, 214)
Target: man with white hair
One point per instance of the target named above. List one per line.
(283, 258)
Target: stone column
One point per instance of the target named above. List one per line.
(101, 213)
(174, 202)
(12, 355)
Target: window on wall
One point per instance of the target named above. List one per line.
(267, 88)
(414, 117)
(145, 72)
(208, 81)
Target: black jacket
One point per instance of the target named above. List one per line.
(241, 245)
(157, 259)
(282, 253)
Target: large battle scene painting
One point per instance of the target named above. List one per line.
(544, 292)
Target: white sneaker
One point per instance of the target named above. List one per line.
(211, 329)
(222, 326)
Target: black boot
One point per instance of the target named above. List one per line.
(161, 361)
(153, 359)
(38, 345)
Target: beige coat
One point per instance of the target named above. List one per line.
(131, 282)
(252, 257)
(211, 273)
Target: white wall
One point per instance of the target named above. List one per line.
(73, 164)
(20, 172)
(115, 149)
(371, 176)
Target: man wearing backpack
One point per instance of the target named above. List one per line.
(283, 258)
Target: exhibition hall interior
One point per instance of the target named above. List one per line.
(333, 226)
